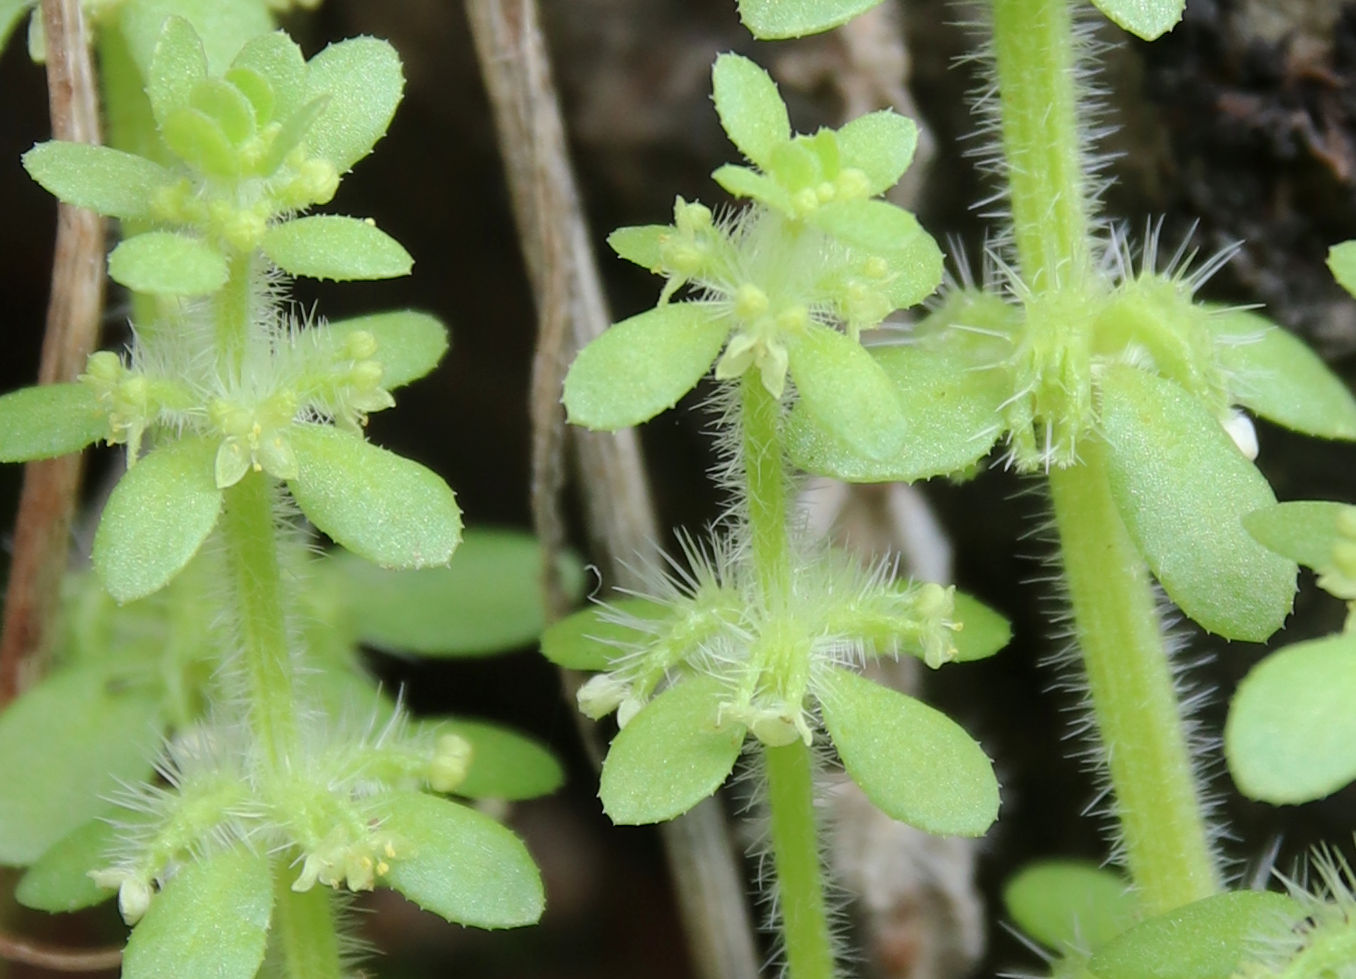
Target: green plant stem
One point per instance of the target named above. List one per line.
(232, 310)
(1035, 56)
(304, 930)
(1115, 619)
(795, 851)
(1167, 850)
(257, 593)
(765, 488)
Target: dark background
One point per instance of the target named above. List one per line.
(1239, 122)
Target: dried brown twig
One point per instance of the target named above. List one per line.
(47, 500)
(56, 958)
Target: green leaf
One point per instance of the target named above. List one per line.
(504, 763)
(47, 421)
(1183, 487)
(915, 763)
(486, 601)
(227, 106)
(983, 631)
(198, 140)
(846, 394)
(210, 921)
(893, 233)
(952, 413)
(11, 12)
(222, 27)
(641, 244)
(771, 20)
(751, 110)
(60, 880)
(642, 365)
(177, 63)
(1276, 375)
(590, 638)
(364, 81)
(409, 344)
(330, 246)
(1069, 904)
(168, 264)
(881, 144)
(671, 756)
(276, 57)
(1207, 939)
(375, 503)
(1291, 733)
(102, 179)
(744, 182)
(460, 864)
(1303, 531)
(65, 746)
(1146, 19)
(159, 514)
(1342, 264)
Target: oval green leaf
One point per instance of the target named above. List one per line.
(65, 747)
(210, 921)
(1146, 19)
(504, 763)
(276, 58)
(591, 638)
(1291, 733)
(915, 763)
(1207, 939)
(177, 62)
(1276, 375)
(458, 863)
(1305, 531)
(772, 20)
(49, 420)
(1342, 264)
(409, 344)
(100, 178)
(168, 264)
(1183, 488)
(750, 108)
(377, 504)
(330, 246)
(641, 244)
(881, 145)
(1069, 904)
(671, 756)
(983, 631)
(642, 365)
(60, 881)
(157, 517)
(486, 601)
(364, 81)
(845, 394)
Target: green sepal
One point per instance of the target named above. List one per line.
(504, 763)
(892, 232)
(845, 393)
(1182, 487)
(278, 59)
(178, 61)
(330, 246)
(912, 761)
(168, 264)
(671, 756)
(1069, 904)
(880, 144)
(60, 881)
(590, 639)
(750, 108)
(983, 631)
(157, 517)
(375, 503)
(105, 180)
(1305, 531)
(49, 420)
(642, 365)
(1276, 375)
(952, 412)
(409, 343)
(1207, 939)
(458, 863)
(364, 81)
(771, 20)
(1146, 19)
(210, 919)
(641, 244)
(1342, 264)
(65, 746)
(1291, 733)
(486, 601)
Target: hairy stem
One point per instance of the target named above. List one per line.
(1167, 849)
(304, 931)
(257, 596)
(765, 489)
(795, 850)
